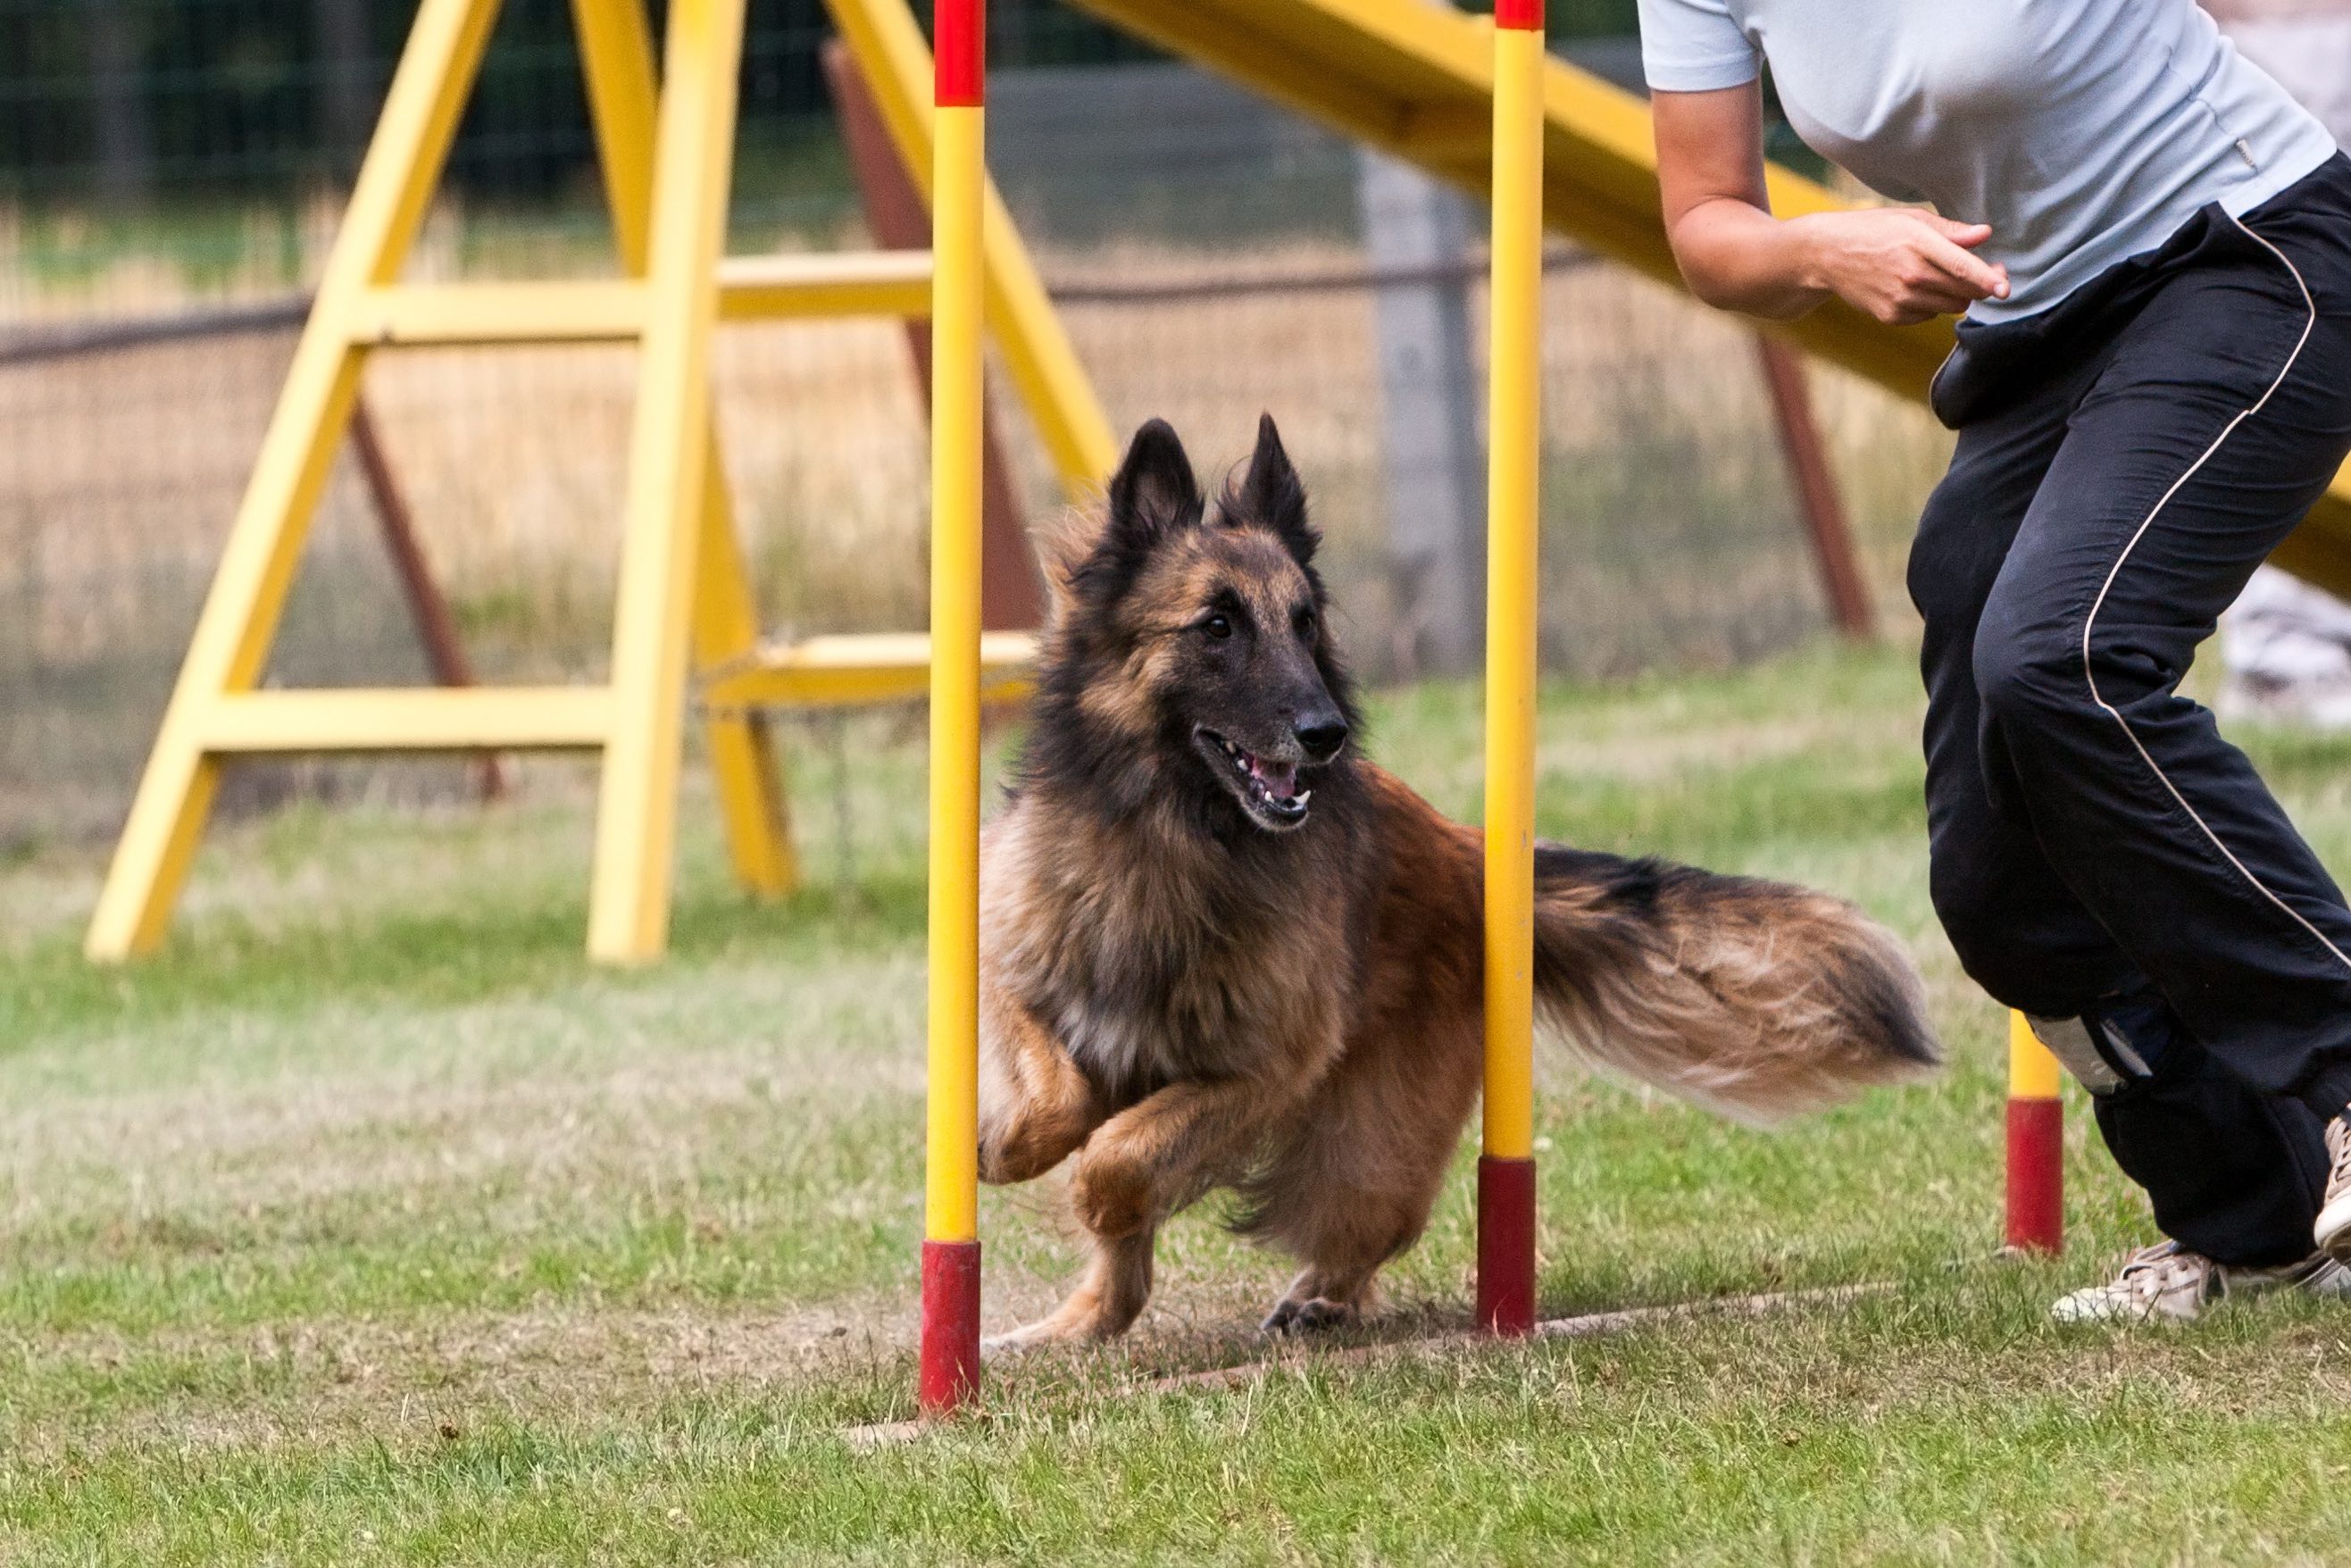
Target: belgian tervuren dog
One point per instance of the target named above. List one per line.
(1220, 950)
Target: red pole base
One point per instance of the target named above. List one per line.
(2036, 1175)
(950, 1373)
(1505, 1245)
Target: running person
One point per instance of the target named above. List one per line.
(2151, 244)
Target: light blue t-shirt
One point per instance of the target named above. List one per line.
(2083, 132)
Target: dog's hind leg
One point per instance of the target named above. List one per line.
(1354, 1181)
(1342, 1234)
(1107, 1303)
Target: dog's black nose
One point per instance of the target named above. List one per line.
(1321, 735)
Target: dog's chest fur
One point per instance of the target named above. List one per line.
(1157, 959)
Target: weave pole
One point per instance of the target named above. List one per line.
(2036, 1144)
(1506, 1169)
(950, 1354)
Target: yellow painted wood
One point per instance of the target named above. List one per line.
(855, 687)
(745, 764)
(616, 54)
(669, 470)
(824, 672)
(889, 282)
(951, 1205)
(842, 283)
(231, 642)
(437, 314)
(1415, 80)
(616, 59)
(681, 579)
(1514, 425)
(409, 718)
(2033, 1072)
(1044, 368)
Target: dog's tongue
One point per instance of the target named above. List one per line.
(1279, 779)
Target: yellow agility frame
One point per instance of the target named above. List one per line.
(683, 601)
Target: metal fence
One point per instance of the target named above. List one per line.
(1211, 256)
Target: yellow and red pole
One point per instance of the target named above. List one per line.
(2036, 1144)
(950, 1353)
(1506, 1171)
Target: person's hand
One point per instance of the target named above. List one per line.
(1900, 266)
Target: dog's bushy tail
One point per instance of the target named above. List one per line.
(1754, 998)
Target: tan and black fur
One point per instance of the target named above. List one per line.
(1192, 977)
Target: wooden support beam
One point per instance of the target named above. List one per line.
(409, 718)
(889, 667)
(895, 282)
(671, 475)
(1817, 501)
(230, 646)
(436, 628)
(616, 53)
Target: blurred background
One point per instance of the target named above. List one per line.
(171, 173)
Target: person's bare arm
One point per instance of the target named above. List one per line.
(1898, 264)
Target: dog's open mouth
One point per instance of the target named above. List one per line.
(1269, 790)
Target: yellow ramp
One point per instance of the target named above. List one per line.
(1416, 79)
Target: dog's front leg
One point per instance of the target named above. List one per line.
(1035, 1106)
(1138, 1168)
(1107, 1303)
(1159, 1154)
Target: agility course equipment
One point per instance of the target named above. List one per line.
(683, 601)
(948, 1371)
(1506, 1173)
(950, 1347)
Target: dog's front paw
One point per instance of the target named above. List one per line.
(1290, 1316)
(1112, 1196)
(1027, 1337)
(1081, 1319)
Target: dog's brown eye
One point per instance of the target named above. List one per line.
(1306, 625)
(1218, 626)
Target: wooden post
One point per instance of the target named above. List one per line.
(1816, 491)
(670, 473)
(436, 629)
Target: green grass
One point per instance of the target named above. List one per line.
(368, 1224)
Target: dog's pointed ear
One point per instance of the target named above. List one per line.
(1273, 496)
(1153, 491)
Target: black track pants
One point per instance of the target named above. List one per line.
(2125, 461)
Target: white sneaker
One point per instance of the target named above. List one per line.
(2167, 1283)
(2333, 1231)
